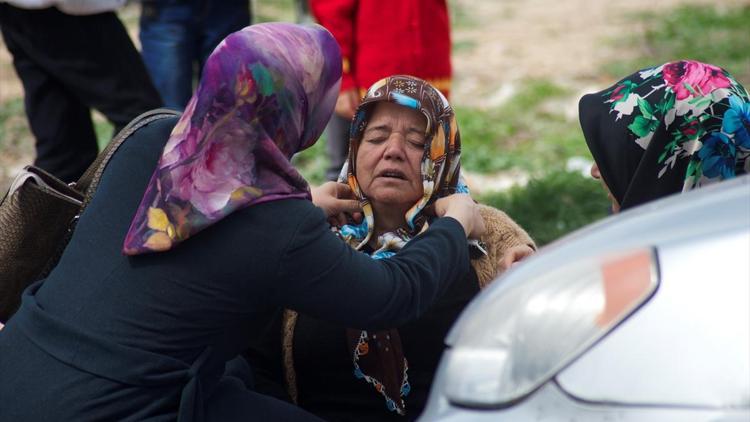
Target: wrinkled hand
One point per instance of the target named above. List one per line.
(337, 201)
(347, 102)
(461, 207)
(513, 256)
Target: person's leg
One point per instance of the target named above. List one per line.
(216, 19)
(108, 73)
(65, 139)
(337, 145)
(167, 47)
(95, 60)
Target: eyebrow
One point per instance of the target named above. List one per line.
(383, 127)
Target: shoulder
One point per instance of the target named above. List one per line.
(285, 215)
(293, 221)
(502, 233)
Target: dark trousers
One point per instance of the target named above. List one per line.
(69, 65)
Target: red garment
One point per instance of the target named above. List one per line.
(380, 38)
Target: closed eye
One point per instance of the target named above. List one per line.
(375, 139)
(416, 143)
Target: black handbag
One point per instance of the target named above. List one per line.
(39, 213)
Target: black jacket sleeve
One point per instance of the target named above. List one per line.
(323, 277)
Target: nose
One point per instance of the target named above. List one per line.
(595, 172)
(394, 148)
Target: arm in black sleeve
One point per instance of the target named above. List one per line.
(323, 277)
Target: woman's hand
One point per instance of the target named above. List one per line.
(461, 207)
(337, 201)
(513, 256)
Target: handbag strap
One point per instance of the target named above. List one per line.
(89, 181)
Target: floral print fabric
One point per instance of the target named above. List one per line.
(266, 92)
(440, 163)
(668, 129)
(377, 356)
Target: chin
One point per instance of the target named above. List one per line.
(394, 198)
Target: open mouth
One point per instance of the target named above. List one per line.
(392, 174)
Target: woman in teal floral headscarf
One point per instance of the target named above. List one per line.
(667, 129)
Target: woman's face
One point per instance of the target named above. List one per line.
(390, 154)
(598, 176)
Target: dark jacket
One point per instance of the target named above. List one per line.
(112, 337)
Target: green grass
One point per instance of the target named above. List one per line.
(717, 35)
(553, 205)
(312, 162)
(103, 129)
(525, 133)
(274, 11)
(460, 16)
(14, 130)
(463, 45)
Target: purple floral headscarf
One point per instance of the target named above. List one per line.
(668, 129)
(266, 92)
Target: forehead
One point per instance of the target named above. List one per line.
(386, 113)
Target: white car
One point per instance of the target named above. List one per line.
(644, 316)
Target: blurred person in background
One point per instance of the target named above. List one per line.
(379, 38)
(72, 56)
(177, 37)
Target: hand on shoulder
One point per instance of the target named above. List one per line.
(337, 202)
(513, 256)
(461, 207)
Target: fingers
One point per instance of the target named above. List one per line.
(478, 228)
(507, 261)
(346, 206)
(430, 210)
(343, 191)
(462, 208)
(515, 255)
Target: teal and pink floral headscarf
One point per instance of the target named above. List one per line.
(266, 92)
(668, 129)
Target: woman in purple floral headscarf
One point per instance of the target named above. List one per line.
(217, 240)
(667, 129)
